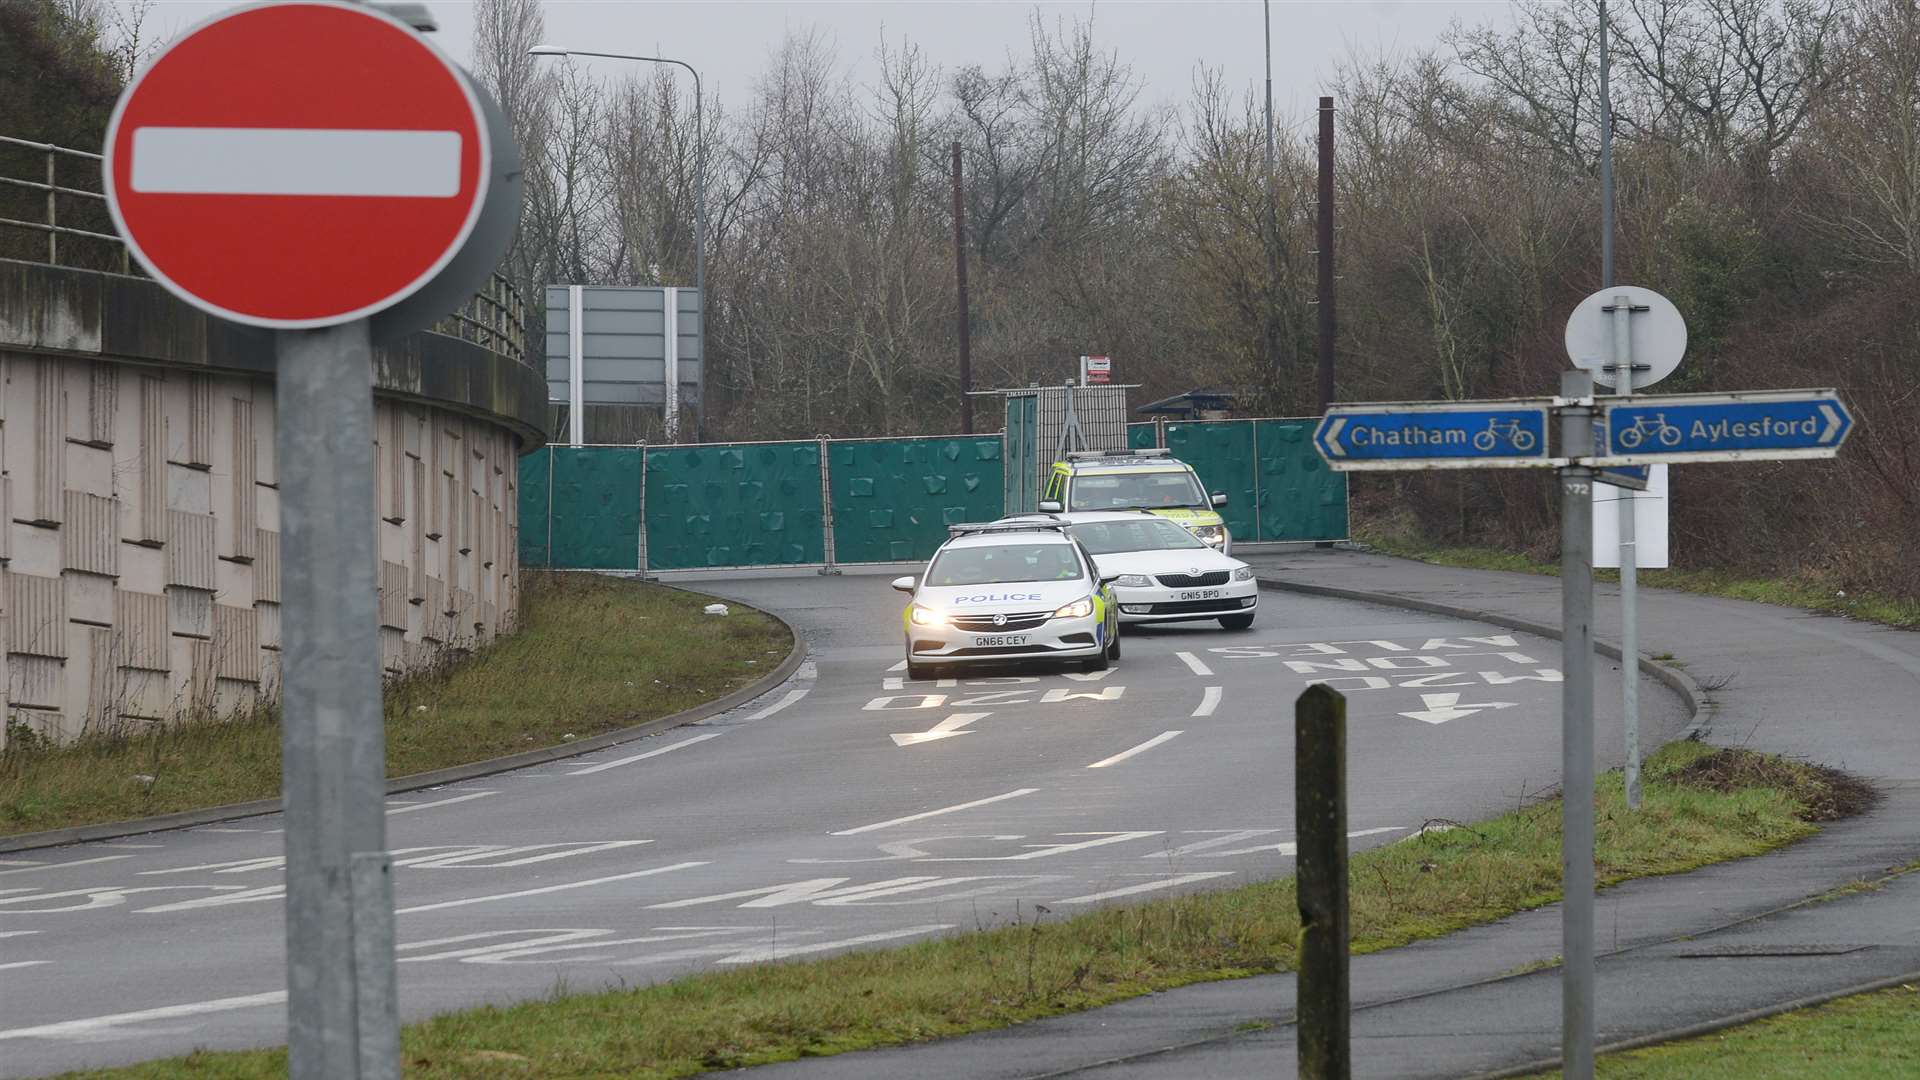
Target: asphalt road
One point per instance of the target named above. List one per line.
(808, 821)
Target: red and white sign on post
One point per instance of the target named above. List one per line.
(297, 165)
(1095, 370)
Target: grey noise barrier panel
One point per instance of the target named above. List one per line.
(114, 830)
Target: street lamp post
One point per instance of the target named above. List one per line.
(671, 407)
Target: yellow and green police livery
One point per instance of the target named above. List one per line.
(1011, 590)
(1137, 480)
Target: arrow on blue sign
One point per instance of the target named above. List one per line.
(1726, 427)
(1434, 435)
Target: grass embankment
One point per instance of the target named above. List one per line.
(592, 654)
(1810, 594)
(1701, 806)
(1867, 1037)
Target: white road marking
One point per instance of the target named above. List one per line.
(140, 847)
(296, 161)
(893, 682)
(563, 887)
(771, 952)
(1194, 664)
(31, 867)
(1231, 836)
(791, 697)
(17, 933)
(945, 729)
(899, 666)
(1141, 749)
(1209, 701)
(1441, 708)
(1286, 849)
(617, 762)
(94, 1024)
(23, 964)
(1014, 794)
(1149, 886)
(225, 899)
(408, 808)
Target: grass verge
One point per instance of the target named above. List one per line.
(593, 654)
(1811, 594)
(1701, 806)
(1867, 1037)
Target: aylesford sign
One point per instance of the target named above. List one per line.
(1724, 427)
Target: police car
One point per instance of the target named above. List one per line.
(1163, 573)
(1018, 589)
(1137, 479)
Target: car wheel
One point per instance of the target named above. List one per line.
(1100, 662)
(920, 672)
(1113, 643)
(1237, 622)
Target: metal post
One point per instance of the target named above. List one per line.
(1629, 564)
(576, 366)
(826, 507)
(1320, 824)
(53, 212)
(1324, 235)
(670, 407)
(1576, 732)
(960, 275)
(340, 1003)
(1606, 156)
(644, 576)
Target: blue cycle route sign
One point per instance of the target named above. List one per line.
(1725, 427)
(1434, 435)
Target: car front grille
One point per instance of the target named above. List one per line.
(1185, 607)
(984, 624)
(1194, 581)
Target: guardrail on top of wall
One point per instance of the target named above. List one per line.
(75, 225)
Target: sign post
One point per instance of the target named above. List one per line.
(306, 167)
(1634, 432)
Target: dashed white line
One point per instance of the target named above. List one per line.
(1209, 701)
(30, 868)
(23, 964)
(1141, 749)
(791, 697)
(617, 762)
(936, 813)
(408, 808)
(66, 1028)
(563, 887)
(1149, 886)
(1193, 663)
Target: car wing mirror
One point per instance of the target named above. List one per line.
(1050, 506)
(903, 584)
(1218, 498)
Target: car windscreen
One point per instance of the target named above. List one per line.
(982, 565)
(1118, 491)
(1146, 534)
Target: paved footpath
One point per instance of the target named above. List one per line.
(1678, 952)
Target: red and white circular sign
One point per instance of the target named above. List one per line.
(298, 164)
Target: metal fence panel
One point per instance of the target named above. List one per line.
(1221, 451)
(1022, 473)
(1141, 436)
(749, 504)
(536, 502)
(596, 507)
(894, 498)
(1300, 498)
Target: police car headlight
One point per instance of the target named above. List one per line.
(1212, 534)
(926, 616)
(1244, 573)
(1079, 609)
(1133, 581)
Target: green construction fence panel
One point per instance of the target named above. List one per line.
(1140, 436)
(1021, 477)
(596, 507)
(536, 500)
(1300, 498)
(1221, 451)
(734, 504)
(894, 498)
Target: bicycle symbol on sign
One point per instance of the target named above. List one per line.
(1646, 427)
(1520, 438)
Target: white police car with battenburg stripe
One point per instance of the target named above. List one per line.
(1162, 573)
(1014, 590)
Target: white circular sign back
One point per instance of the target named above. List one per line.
(1658, 336)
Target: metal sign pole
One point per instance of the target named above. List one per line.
(1629, 559)
(671, 409)
(342, 1019)
(1576, 734)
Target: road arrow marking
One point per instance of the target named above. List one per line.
(1333, 436)
(1833, 423)
(1441, 708)
(945, 729)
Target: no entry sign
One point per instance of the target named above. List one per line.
(297, 165)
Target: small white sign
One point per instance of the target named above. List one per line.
(1095, 370)
(1649, 528)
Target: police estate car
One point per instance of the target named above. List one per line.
(1019, 589)
(1164, 573)
(1137, 479)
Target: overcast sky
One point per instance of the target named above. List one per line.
(1164, 40)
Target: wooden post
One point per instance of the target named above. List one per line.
(1320, 825)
